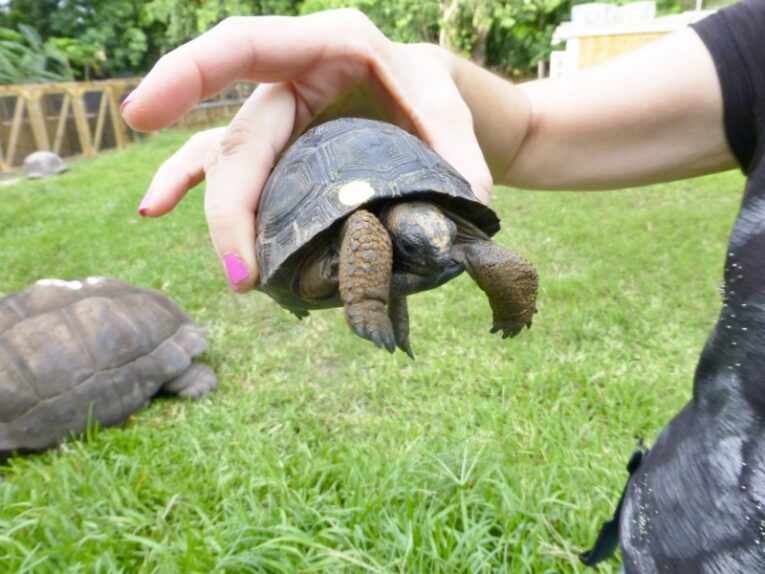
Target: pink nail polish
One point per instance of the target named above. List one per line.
(236, 270)
(126, 101)
(144, 207)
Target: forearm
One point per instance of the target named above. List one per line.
(501, 114)
(651, 115)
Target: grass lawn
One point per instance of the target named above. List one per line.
(319, 453)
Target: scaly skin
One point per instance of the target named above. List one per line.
(509, 281)
(366, 263)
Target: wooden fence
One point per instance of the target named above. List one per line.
(83, 118)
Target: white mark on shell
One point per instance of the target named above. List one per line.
(355, 192)
(73, 285)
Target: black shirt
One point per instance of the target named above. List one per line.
(697, 501)
(735, 37)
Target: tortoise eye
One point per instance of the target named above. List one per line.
(406, 246)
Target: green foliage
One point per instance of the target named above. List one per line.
(178, 19)
(35, 13)
(25, 58)
(319, 453)
(182, 20)
(521, 34)
(400, 20)
(116, 29)
(102, 37)
(107, 37)
(82, 56)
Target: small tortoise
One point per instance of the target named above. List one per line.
(43, 164)
(359, 213)
(73, 353)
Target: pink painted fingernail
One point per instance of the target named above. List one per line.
(144, 207)
(126, 101)
(236, 270)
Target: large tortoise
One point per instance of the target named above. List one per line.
(73, 353)
(361, 214)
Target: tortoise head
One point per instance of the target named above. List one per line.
(422, 235)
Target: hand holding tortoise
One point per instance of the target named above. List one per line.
(310, 68)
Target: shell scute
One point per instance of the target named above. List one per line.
(49, 355)
(99, 394)
(34, 429)
(16, 395)
(108, 332)
(133, 393)
(171, 358)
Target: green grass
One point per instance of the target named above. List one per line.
(319, 453)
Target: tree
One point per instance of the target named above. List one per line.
(25, 58)
(118, 37)
(400, 20)
(183, 20)
(116, 31)
(521, 35)
(34, 13)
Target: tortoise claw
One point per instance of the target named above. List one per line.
(299, 313)
(407, 348)
(509, 331)
(370, 321)
(512, 325)
(381, 339)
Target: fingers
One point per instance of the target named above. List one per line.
(182, 171)
(323, 55)
(318, 59)
(261, 49)
(421, 82)
(236, 171)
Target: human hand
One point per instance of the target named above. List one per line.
(310, 69)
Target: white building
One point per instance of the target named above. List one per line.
(600, 31)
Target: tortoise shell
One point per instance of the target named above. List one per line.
(339, 166)
(76, 352)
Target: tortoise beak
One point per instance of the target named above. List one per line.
(451, 269)
(445, 261)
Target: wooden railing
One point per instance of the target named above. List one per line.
(82, 118)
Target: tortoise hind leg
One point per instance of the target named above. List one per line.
(195, 382)
(366, 264)
(509, 281)
(399, 316)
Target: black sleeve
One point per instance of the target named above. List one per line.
(735, 36)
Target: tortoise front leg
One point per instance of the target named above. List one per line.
(366, 264)
(509, 281)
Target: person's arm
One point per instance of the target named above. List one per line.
(655, 114)
(652, 115)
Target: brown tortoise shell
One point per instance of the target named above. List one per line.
(337, 167)
(76, 352)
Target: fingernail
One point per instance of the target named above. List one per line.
(236, 270)
(126, 101)
(144, 207)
